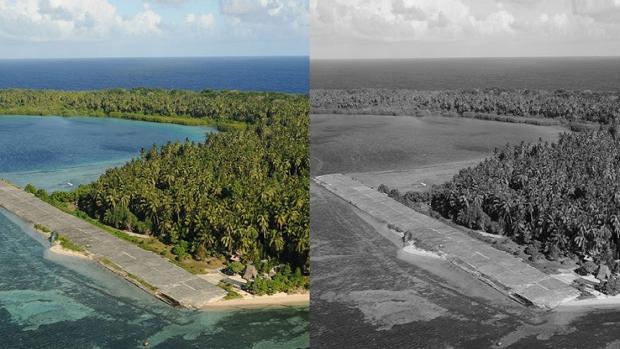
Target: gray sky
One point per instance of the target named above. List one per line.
(463, 28)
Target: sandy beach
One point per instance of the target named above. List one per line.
(599, 301)
(58, 249)
(248, 301)
(278, 299)
(412, 249)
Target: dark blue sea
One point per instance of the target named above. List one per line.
(274, 74)
(571, 73)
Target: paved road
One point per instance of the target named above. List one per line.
(171, 281)
(496, 267)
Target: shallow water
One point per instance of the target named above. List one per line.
(365, 294)
(52, 301)
(362, 143)
(58, 153)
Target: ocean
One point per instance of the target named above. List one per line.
(571, 73)
(50, 301)
(273, 74)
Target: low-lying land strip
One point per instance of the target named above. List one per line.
(539, 107)
(163, 278)
(505, 272)
(226, 109)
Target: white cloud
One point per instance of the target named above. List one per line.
(601, 10)
(203, 21)
(44, 20)
(272, 11)
(414, 28)
(405, 20)
(557, 21)
(497, 22)
(277, 18)
(144, 22)
(255, 10)
(167, 2)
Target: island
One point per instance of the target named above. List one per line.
(233, 210)
(537, 220)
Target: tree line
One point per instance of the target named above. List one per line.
(208, 104)
(593, 106)
(561, 199)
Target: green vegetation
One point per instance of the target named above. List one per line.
(231, 109)
(244, 192)
(181, 120)
(498, 104)
(141, 282)
(109, 264)
(235, 268)
(240, 193)
(30, 189)
(231, 293)
(65, 202)
(41, 227)
(69, 245)
(283, 281)
(270, 278)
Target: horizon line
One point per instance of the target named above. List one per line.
(447, 57)
(154, 57)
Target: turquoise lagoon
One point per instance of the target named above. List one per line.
(59, 153)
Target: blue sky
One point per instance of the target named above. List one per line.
(152, 28)
(464, 28)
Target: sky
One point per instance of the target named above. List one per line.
(152, 28)
(463, 28)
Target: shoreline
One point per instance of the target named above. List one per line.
(247, 302)
(480, 259)
(56, 248)
(598, 302)
(413, 250)
(221, 126)
(511, 119)
(251, 302)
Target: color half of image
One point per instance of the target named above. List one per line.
(154, 166)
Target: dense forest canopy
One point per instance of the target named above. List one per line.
(216, 105)
(563, 198)
(242, 192)
(600, 107)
